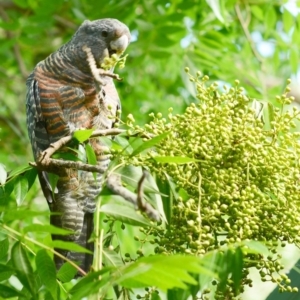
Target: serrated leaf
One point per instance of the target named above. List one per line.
(82, 135)
(4, 247)
(47, 272)
(148, 271)
(174, 159)
(20, 189)
(150, 143)
(46, 228)
(69, 246)
(66, 273)
(3, 174)
(124, 214)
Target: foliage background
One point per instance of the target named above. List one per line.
(255, 41)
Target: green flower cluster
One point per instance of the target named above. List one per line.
(242, 179)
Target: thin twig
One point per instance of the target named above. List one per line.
(45, 162)
(244, 25)
(114, 183)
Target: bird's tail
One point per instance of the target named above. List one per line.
(84, 260)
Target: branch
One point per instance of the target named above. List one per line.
(114, 183)
(44, 162)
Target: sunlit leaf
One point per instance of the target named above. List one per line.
(69, 246)
(150, 143)
(46, 228)
(3, 174)
(82, 135)
(216, 8)
(148, 271)
(288, 20)
(66, 273)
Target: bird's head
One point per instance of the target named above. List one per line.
(104, 37)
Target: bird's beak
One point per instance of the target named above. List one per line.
(120, 44)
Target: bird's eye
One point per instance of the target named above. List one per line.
(104, 33)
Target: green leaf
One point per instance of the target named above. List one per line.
(47, 272)
(216, 8)
(236, 268)
(150, 143)
(3, 174)
(18, 171)
(255, 247)
(20, 259)
(66, 273)
(124, 214)
(22, 214)
(20, 189)
(174, 159)
(24, 269)
(90, 153)
(46, 228)
(90, 284)
(69, 246)
(53, 179)
(288, 20)
(83, 135)
(112, 258)
(91, 157)
(8, 292)
(294, 59)
(4, 247)
(270, 19)
(31, 176)
(257, 12)
(159, 54)
(149, 271)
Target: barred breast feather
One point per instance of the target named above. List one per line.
(62, 96)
